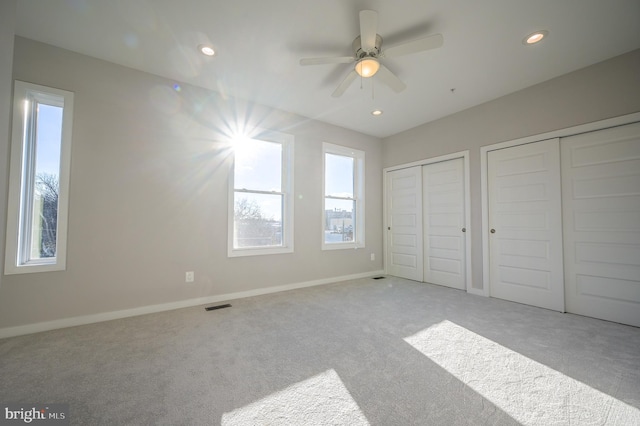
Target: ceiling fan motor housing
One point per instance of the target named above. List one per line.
(357, 48)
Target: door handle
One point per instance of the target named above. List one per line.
(464, 229)
(493, 231)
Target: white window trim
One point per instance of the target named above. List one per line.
(358, 189)
(22, 92)
(286, 141)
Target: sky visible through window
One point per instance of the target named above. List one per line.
(259, 165)
(49, 131)
(339, 220)
(338, 181)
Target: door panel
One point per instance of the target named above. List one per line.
(601, 212)
(525, 245)
(444, 219)
(404, 223)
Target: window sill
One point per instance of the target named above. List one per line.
(342, 246)
(258, 251)
(28, 269)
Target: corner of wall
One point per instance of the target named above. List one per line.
(7, 34)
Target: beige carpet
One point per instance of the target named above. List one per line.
(379, 352)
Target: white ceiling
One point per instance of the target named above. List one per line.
(259, 44)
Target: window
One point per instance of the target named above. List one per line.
(39, 179)
(260, 196)
(343, 201)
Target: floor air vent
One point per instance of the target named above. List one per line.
(213, 308)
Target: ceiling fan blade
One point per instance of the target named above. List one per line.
(368, 29)
(333, 60)
(419, 45)
(345, 84)
(390, 79)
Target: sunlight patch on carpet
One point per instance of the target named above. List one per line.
(530, 392)
(320, 400)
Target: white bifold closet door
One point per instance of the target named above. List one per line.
(404, 223)
(444, 223)
(601, 194)
(525, 220)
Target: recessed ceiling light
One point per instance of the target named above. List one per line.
(535, 37)
(206, 50)
(376, 112)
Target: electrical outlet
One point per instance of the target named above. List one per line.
(373, 257)
(189, 277)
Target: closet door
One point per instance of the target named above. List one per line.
(404, 223)
(601, 189)
(444, 223)
(525, 239)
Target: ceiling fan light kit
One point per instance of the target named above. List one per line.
(367, 67)
(367, 48)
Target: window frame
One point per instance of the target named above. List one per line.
(22, 177)
(358, 196)
(287, 167)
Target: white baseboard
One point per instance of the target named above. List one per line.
(107, 316)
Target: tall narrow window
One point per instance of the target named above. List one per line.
(261, 208)
(343, 202)
(40, 158)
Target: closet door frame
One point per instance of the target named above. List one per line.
(467, 200)
(484, 179)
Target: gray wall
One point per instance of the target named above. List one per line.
(148, 195)
(149, 179)
(7, 26)
(605, 90)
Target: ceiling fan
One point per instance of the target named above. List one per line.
(367, 55)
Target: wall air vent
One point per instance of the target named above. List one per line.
(213, 308)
